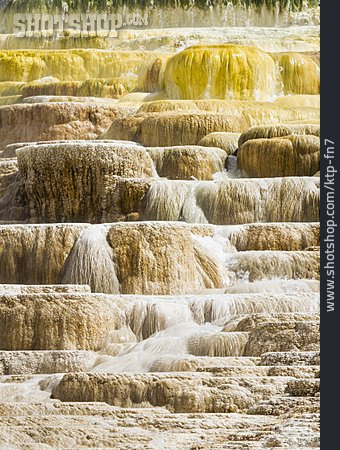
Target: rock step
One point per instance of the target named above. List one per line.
(83, 254)
(61, 361)
(74, 421)
(290, 358)
(104, 197)
(146, 415)
(283, 336)
(23, 362)
(15, 378)
(67, 424)
(45, 362)
(289, 371)
(250, 322)
(284, 405)
(105, 426)
(190, 363)
(296, 432)
(127, 437)
(53, 121)
(63, 321)
(179, 392)
(43, 288)
(303, 388)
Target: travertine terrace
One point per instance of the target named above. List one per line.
(159, 229)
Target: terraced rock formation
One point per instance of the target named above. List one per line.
(159, 231)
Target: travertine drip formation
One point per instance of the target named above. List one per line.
(159, 234)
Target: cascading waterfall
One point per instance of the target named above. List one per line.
(25, 392)
(147, 318)
(100, 255)
(196, 13)
(199, 332)
(216, 66)
(188, 338)
(91, 262)
(234, 201)
(268, 39)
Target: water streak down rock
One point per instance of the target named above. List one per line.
(127, 258)
(64, 321)
(235, 201)
(188, 127)
(102, 182)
